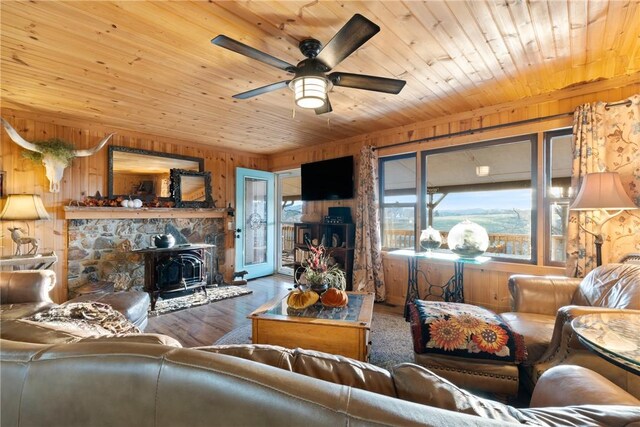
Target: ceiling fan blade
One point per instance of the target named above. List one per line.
(264, 89)
(351, 36)
(326, 108)
(243, 49)
(361, 81)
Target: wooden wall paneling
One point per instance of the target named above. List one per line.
(87, 175)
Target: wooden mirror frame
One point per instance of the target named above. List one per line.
(176, 189)
(115, 148)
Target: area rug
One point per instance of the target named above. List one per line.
(390, 340)
(168, 305)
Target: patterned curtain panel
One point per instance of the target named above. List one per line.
(368, 275)
(606, 139)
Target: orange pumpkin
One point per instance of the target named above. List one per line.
(335, 298)
(300, 300)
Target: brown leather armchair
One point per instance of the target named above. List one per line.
(543, 308)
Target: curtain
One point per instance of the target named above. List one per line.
(606, 139)
(368, 274)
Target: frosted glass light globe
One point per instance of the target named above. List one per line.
(468, 239)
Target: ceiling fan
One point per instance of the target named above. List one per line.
(311, 82)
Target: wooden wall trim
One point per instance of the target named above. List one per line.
(143, 213)
(560, 101)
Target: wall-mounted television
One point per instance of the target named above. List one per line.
(327, 179)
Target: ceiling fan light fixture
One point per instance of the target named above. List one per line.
(309, 92)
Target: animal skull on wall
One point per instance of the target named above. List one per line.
(54, 167)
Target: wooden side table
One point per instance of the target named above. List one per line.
(451, 291)
(29, 262)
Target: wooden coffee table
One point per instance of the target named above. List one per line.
(343, 331)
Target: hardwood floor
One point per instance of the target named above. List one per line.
(205, 324)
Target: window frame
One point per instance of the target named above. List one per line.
(533, 141)
(547, 137)
(381, 192)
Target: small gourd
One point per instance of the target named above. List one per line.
(334, 297)
(300, 300)
(125, 204)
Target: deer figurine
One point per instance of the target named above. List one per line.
(20, 239)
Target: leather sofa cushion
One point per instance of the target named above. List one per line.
(536, 329)
(328, 367)
(26, 286)
(134, 305)
(20, 310)
(39, 333)
(566, 385)
(420, 385)
(21, 330)
(611, 286)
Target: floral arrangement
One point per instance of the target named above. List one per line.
(319, 269)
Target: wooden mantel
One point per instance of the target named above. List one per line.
(75, 212)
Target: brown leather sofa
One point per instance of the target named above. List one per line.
(543, 308)
(25, 293)
(146, 379)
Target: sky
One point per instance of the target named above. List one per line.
(504, 199)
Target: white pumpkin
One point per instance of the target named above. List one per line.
(137, 203)
(125, 204)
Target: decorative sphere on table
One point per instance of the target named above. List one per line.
(468, 239)
(430, 239)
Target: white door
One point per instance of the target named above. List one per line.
(256, 220)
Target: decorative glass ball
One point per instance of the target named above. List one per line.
(430, 239)
(468, 239)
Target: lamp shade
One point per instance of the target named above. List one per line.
(602, 190)
(24, 207)
(310, 92)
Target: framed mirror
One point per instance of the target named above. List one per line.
(191, 189)
(145, 174)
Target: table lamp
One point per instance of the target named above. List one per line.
(601, 191)
(23, 207)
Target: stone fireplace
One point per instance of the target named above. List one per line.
(101, 249)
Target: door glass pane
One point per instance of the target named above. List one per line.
(255, 227)
(290, 213)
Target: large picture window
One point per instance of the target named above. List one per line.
(491, 184)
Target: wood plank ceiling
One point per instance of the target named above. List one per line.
(150, 66)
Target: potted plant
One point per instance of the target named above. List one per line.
(321, 272)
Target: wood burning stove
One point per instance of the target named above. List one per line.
(177, 269)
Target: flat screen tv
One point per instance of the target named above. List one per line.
(328, 179)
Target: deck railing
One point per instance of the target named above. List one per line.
(288, 240)
(499, 243)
